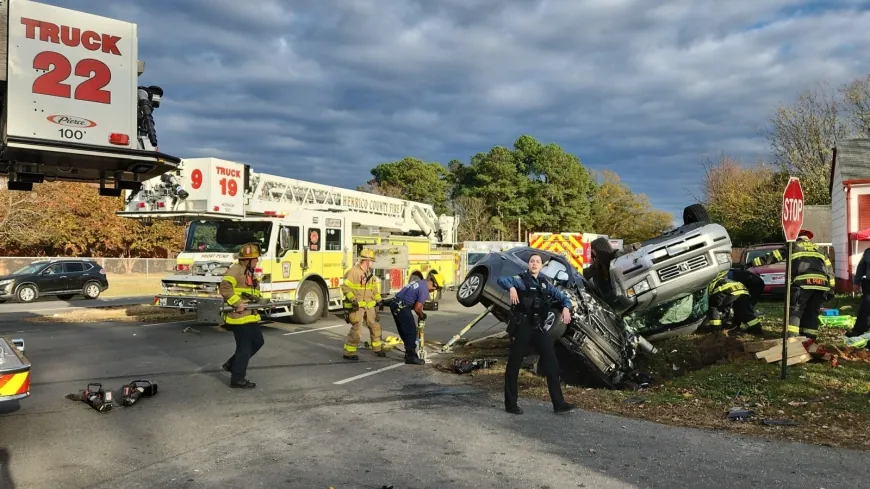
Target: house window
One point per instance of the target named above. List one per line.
(863, 212)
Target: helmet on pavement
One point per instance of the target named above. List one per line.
(366, 254)
(249, 251)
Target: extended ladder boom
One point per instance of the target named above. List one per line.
(213, 188)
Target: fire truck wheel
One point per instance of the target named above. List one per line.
(309, 310)
(27, 293)
(91, 290)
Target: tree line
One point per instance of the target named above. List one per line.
(746, 198)
(532, 187)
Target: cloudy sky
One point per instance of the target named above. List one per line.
(324, 90)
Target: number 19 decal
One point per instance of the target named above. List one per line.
(58, 68)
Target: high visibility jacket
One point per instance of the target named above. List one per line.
(810, 268)
(361, 287)
(235, 283)
(723, 285)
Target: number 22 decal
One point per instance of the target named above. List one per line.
(51, 83)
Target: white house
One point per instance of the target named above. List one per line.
(850, 207)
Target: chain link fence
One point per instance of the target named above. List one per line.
(126, 276)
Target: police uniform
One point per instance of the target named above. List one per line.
(526, 327)
(812, 283)
(727, 296)
(361, 291)
(862, 278)
(239, 281)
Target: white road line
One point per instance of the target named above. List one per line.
(317, 329)
(373, 372)
(171, 322)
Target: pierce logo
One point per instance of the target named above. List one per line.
(71, 121)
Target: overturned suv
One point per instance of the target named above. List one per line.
(599, 346)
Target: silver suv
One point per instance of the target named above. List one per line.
(673, 265)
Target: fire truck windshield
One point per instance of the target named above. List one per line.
(226, 236)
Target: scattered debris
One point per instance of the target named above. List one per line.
(739, 414)
(190, 329)
(778, 422)
(463, 366)
(796, 352)
(635, 400)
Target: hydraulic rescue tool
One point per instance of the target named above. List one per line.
(421, 325)
(133, 391)
(96, 397)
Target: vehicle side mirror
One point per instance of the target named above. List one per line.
(284, 239)
(562, 276)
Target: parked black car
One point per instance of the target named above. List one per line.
(596, 346)
(64, 278)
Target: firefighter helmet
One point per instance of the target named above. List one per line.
(436, 279)
(249, 251)
(806, 232)
(366, 254)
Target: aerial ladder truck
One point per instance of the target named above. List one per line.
(310, 235)
(71, 109)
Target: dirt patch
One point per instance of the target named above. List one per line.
(137, 313)
(699, 378)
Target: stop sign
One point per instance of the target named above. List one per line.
(792, 209)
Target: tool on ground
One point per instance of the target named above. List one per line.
(96, 397)
(137, 389)
(421, 325)
(462, 366)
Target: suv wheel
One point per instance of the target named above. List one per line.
(695, 213)
(27, 293)
(92, 290)
(470, 289)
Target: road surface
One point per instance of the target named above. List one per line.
(316, 421)
(13, 311)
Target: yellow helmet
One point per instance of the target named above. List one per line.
(436, 279)
(249, 250)
(366, 254)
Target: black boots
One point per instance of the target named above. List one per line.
(243, 384)
(414, 360)
(564, 407)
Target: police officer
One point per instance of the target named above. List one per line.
(361, 291)
(531, 295)
(412, 297)
(239, 287)
(727, 295)
(812, 283)
(862, 323)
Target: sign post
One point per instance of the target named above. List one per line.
(792, 220)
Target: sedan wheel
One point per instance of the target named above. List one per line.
(470, 290)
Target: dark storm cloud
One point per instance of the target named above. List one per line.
(324, 90)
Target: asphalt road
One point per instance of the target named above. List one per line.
(13, 311)
(317, 421)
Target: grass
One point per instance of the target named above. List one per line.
(143, 312)
(126, 285)
(698, 378)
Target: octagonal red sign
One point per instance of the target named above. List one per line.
(792, 209)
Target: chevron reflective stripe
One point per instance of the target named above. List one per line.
(15, 384)
(571, 247)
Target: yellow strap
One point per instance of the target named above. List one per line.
(250, 318)
(350, 348)
(793, 329)
(234, 299)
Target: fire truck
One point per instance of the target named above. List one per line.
(310, 235)
(573, 246)
(71, 109)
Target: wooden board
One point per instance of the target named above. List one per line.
(775, 354)
(4, 38)
(757, 346)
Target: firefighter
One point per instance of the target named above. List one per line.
(812, 283)
(862, 280)
(530, 296)
(411, 298)
(729, 296)
(361, 291)
(239, 287)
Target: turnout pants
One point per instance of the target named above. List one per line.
(356, 319)
(862, 324)
(523, 336)
(249, 340)
(740, 305)
(407, 327)
(804, 312)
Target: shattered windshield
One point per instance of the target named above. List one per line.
(226, 236)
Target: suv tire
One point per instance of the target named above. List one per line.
(469, 291)
(92, 290)
(695, 213)
(27, 293)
